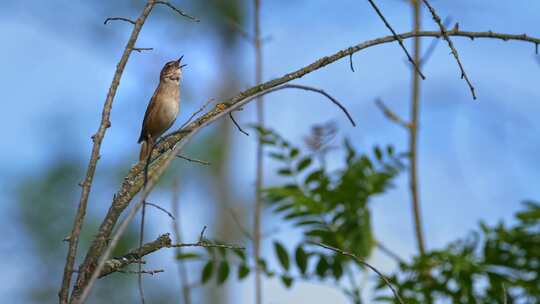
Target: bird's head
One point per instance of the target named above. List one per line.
(172, 71)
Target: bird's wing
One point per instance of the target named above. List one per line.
(149, 110)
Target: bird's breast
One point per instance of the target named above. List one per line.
(169, 108)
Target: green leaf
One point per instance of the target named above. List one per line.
(269, 142)
(285, 171)
(222, 251)
(223, 272)
(187, 255)
(243, 271)
(207, 271)
(301, 259)
(337, 269)
(303, 164)
(314, 176)
(294, 153)
(276, 155)
(322, 267)
(350, 151)
(287, 280)
(240, 253)
(378, 153)
(282, 255)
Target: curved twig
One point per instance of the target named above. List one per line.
(237, 125)
(162, 209)
(179, 11)
(360, 261)
(118, 19)
(197, 112)
(320, 91)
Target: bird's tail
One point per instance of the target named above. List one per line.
(146, 149)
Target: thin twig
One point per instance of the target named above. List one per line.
(150, 272)
(162, 209)
(201, 235)
(389, 252)
(194, 160)
(143, 217)
(174, 142)
(208, 245)
(140, 50)
(92, 164)
(451, 46)
(197, 112)
(243, 229)
(351, 64)
(240, 30)
(118, 19)
(362, 262)
(237, 125)
(391, 115)
(398, 38)
(320, 91)
(186, 292)
(179, 11)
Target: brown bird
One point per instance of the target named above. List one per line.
(163, 107)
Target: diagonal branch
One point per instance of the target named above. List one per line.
(87, 183)
(451, 46)
(398, 38)
(92, 164)
(133, 181)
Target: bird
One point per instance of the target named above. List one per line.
(163, 107)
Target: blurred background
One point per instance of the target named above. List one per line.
(477, 159)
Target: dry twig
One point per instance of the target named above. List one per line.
(179, 11)
(162, 209)
(194, 160)
(398, 38)
(391, 115)
(237, 125)
(186, 292)
(451, 46)
(197, 112)
(140, 50)
(119, 19)
(150, 272)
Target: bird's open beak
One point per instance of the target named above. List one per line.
(180, 59)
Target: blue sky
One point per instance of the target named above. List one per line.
(477, 159)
